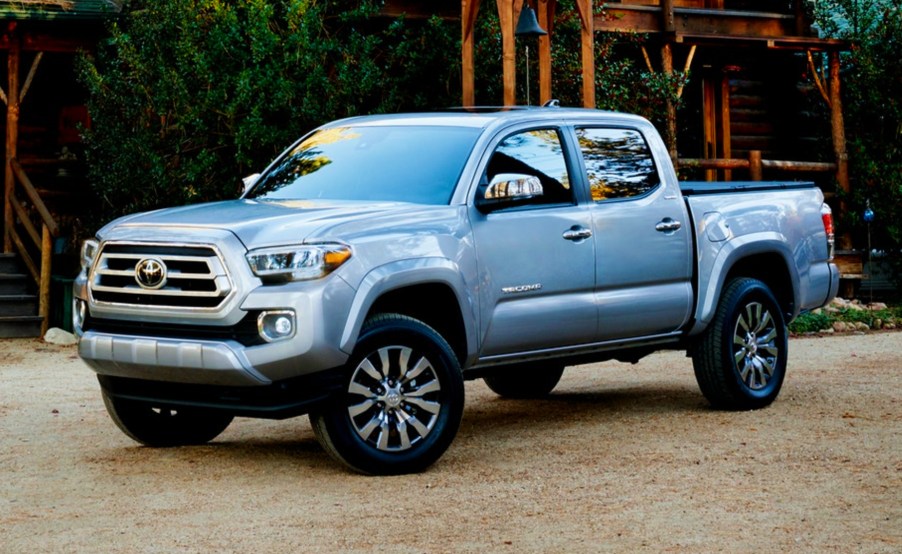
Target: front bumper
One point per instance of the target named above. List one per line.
(289, 398)
(172, 360)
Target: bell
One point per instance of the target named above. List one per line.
(528, 25)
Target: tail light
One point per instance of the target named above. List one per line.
(827, 218)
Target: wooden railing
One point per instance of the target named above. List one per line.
(41, 241)
(755, 165)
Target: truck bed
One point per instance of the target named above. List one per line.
(694, 188)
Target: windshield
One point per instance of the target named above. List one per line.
(419, 164)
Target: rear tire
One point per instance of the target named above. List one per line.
(159, 426)
(403, 400)
(527, 380)
(740, 361)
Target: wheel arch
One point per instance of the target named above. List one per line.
(767, 259)
(430, 290)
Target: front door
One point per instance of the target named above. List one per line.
(536, 259)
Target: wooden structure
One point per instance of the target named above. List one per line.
(745, 58)
(43, 111)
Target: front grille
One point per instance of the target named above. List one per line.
(195, 276)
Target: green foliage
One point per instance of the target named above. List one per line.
(818, 321)
(811, 323)
(187, 96)
(872, 105)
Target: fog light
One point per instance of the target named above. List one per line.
(79, 313)
(274, 326)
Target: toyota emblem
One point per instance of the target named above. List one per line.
(150, 273)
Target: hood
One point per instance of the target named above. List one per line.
(265, 223)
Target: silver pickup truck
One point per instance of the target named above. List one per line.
(381, 261)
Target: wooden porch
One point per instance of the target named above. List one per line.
(41, 170)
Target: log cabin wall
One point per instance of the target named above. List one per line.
(749, 101)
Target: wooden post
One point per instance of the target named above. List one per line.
(12, 134)
(587, 19)
(668, 24)
(799, 9)
(709, 115)
(725, 133)
(670, 131)
(546, 21)
(755, 170)
(507, 14)
(44, 297)
(844, 241)
(468, 11)
(669, 27)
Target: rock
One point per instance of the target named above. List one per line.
(889, 325)
(828, 331)
(55, 335)
(878, 324)
(876, 306)
(839, 327)
(832, 310)
(839, 302)
(861, 326)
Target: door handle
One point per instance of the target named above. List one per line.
(577, 233)
(668, 225)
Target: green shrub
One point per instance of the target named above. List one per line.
(872, 105)
(188, 96)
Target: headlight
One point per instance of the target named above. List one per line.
(298, 262)
(89, 250)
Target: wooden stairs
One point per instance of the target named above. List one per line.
(18, 301)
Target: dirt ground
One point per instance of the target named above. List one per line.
(620, 458)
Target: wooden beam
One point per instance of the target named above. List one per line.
(818, 80)
(709, 124)
(715, 22)
(671, 124)
(508, 50)
(755, 172)
(546, 10)
(44, 285)
(20, 212)
(587, 20)
(668, 25)
(468, 11)
(34, 69)
(726, 146)
(33, 195)
(12, 138)
(839, 145)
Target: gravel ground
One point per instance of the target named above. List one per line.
(620, 458)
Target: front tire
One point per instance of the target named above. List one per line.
(160, 426)
(740, 361)
(403, 400)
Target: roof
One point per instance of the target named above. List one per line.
(59, 10)
(484, 116)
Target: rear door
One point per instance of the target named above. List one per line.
(536, 260)
(642, 236)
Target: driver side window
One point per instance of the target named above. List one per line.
(536, 153)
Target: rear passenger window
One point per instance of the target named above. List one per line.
(618, 163)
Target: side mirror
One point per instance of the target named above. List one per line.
(506, 190)
(249, 181)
